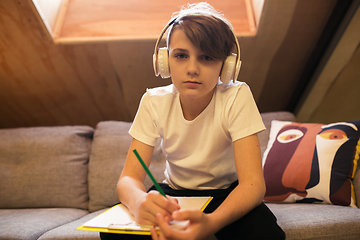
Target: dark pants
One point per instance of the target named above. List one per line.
(260, 223)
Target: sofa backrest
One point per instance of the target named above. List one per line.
(75, 166)
(108, 153)
(44, 167)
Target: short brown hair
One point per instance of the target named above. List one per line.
(206, 28)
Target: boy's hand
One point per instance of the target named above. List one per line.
(152, 204)
(198, 227)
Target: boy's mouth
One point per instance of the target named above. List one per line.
(192, 83)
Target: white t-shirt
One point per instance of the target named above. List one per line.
(199, 153)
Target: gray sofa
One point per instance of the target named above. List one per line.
(54, 179)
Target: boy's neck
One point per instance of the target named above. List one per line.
(193, 107)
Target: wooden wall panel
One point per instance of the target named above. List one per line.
(276, 57)
(341, 101)
(44, 84)
(132, 61)
(258, 52)
(334, 95)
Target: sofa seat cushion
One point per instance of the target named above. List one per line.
(317, 221)
(28, 224)
(68, 231)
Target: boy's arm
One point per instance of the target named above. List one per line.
(131, 190)
(133, 173)
(251, 188)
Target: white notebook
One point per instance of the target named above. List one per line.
(118, 219)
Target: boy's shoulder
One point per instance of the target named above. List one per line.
(231, 86)
(161, 91)
(234, 91)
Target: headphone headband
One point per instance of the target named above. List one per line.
(155, 56)
(172, 21)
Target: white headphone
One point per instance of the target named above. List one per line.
(230, 69)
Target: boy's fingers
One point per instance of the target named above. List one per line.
(154, 234)
(172, 204)
(156, 203)
(168, 204)
(174, 200)
(163, 223)
(192, 215)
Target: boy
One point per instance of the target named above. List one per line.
(209, 132)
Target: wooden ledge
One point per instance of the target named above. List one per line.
(78, 21)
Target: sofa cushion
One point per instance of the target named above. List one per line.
(312, 162)
(68, 231)
(317, 221)
(44, 167)
(28, 224)
(267, 118)
(356, 182)
(108, 154)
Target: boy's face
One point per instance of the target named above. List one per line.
(193, 73)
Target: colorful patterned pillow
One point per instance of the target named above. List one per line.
(308, 163)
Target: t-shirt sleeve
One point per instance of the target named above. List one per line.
(144, 127)
(244, 118)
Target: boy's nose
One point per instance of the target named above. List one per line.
(193, 67)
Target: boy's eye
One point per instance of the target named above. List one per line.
(206, 58)
(180, 55)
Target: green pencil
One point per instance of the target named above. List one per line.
(149, 173)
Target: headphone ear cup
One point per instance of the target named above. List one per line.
(162, 64)
(228, 69)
